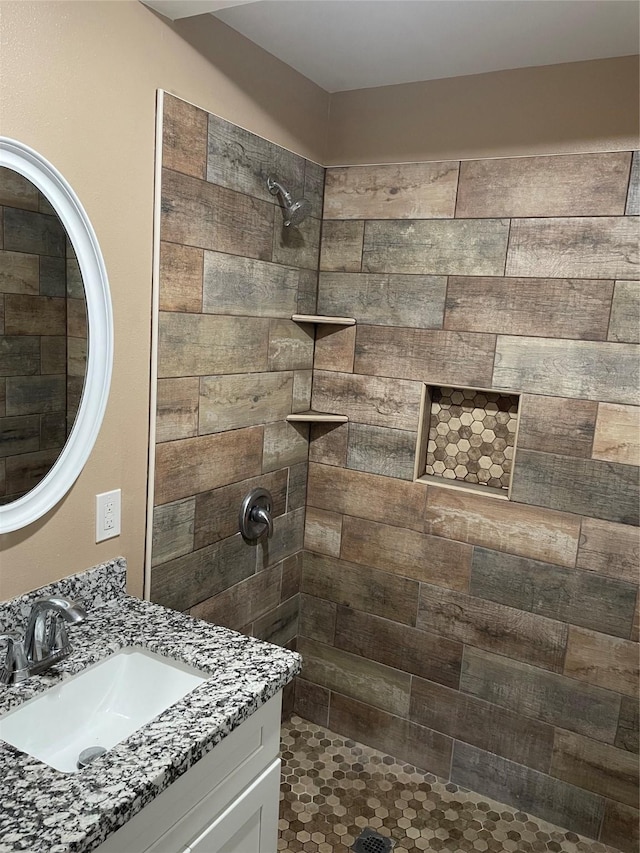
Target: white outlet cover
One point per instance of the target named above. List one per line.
(108, 515)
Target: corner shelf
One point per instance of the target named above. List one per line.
(317, 418)
(323, 319)
(320, 417)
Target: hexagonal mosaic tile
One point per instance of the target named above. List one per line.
(472, 436)
(332, 788)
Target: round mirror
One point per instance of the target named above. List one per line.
(56, 336)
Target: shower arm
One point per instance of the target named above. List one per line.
(274, 186)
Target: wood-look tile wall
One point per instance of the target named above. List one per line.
(231, 366)
(494, 641)
(43, 336)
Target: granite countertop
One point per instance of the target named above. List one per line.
(42, 809)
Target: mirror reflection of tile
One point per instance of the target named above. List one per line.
(44, 336)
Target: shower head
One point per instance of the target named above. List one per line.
(295, 210)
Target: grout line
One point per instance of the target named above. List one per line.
(455, 206)
(453, 746)
(613, 295)
(565, 651)
(286, 503)
(628, 190)
(595, 429)
(493, 362)
(444, 307)
(601, 823)
(506, 254)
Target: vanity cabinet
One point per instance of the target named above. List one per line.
(250, 824)
(226, 803)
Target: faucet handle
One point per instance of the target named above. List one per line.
(15, 667)
(262, 516)
(255, 515)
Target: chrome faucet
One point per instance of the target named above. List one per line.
(46, 641)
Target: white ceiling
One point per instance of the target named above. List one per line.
(355, 44)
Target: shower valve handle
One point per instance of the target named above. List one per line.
(255, 515)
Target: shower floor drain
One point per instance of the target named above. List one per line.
(370, 841)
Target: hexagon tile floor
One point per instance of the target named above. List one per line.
(333, 788)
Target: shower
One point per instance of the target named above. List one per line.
(294, 210)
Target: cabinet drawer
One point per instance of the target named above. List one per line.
(205, 790)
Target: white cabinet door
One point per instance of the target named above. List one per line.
(207, 790)
(250, 824)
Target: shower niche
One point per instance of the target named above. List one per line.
(467, 439)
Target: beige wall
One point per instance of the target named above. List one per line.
(574, 107)
(78, 85)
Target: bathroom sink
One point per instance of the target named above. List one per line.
(99, 707)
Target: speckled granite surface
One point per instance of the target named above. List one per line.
(45, 810)
(94, 588)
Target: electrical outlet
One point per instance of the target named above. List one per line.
(108, 515)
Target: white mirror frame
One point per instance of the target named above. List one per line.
(54, 486)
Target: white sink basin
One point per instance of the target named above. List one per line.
(100, 706)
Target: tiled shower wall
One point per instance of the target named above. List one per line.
(488, 641)
(231, 366)
(43, 343)
(492, 642)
